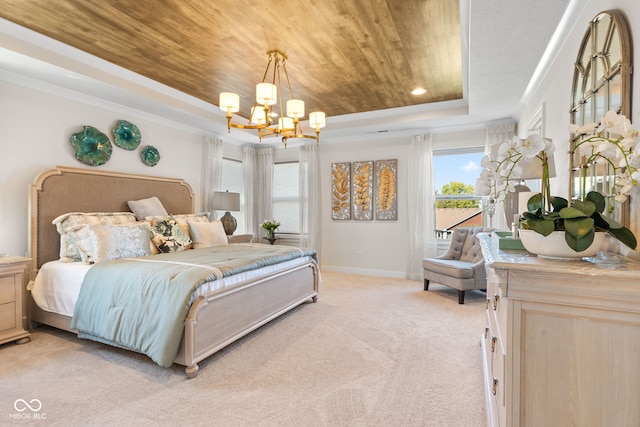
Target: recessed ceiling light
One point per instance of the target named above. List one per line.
(419, 91)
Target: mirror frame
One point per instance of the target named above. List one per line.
(599, 38)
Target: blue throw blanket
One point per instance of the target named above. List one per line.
(141, 303)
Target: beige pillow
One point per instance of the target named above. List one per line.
(143, 208)
(205, 234)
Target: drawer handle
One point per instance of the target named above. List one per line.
(495, 302)
(486, 332)
(493, 343)
(494, 388)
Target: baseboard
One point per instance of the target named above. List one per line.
(365, 271)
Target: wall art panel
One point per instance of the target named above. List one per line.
(386, 175)
(362, 188)
(341, 190)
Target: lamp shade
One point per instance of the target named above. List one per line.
(532, 169)
(266, 93)
(229, 102)
(285, 123)
(295, 108)
(317, 119)
(225, 201)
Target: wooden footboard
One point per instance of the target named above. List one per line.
(218, 319)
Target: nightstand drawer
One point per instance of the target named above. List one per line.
(7, 289)
(7, 316)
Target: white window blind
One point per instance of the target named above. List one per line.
(286, 197)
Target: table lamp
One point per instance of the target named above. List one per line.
(225, 201)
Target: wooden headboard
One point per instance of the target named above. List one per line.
(62, 190)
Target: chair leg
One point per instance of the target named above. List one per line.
(426, 284)
(460, 297)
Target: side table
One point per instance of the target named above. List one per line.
(13, 285)
(240, 238)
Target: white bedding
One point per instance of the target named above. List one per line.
(57, 285)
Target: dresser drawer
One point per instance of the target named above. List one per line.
(7, 289)
(7, 316)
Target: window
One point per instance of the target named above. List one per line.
(286, 197)
(232, 180)
(455, 173)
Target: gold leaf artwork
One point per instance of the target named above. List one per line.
(340, 189)
(361, 189)
(386, 189)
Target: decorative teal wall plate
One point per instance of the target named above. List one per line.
(150, 155)
(126, 135)
(92, 146)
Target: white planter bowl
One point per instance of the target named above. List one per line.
(555, 246)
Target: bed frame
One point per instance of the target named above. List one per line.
(215, 320)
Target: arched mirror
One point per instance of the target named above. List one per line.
(601, 82)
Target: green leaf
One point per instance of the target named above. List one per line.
(610, 222)
(568, 213)
(558, 203)
(597, 199)
(541, 226)
(581, 243)
(588, 207)
(535, 202)
(625, 236)
(579, 227)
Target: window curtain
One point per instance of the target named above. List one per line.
(309, 196)
(497, 134)
(212, 170)
(420, 205)
(257, 166)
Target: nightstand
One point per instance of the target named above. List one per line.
(240, 238)
(13, 282)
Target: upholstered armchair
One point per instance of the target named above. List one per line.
(462, 266)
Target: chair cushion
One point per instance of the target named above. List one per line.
(449, 267)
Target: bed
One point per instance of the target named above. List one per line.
(221, 309)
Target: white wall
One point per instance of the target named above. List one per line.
(34, 136)
(554, 94)
(366, 247)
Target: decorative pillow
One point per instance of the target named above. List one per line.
(205, 234)
(147, 207)
(73, 221)
(168, 236)
(181, 219)
(98, 243)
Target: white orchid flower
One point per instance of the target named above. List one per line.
(584, 129)
(612, 122)
(532, 146)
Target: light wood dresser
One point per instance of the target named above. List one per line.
(13, 283)
(562, 342)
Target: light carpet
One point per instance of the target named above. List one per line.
(371, 352)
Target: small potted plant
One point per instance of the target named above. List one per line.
(270, 227)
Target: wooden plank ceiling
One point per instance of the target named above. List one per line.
(344, 56)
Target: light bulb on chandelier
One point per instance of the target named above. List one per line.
(266, 106)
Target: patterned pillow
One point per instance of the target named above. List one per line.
(98, 243)
(168, 236)
(182, 220)
(72, 222)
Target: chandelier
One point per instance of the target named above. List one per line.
(269, 105)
